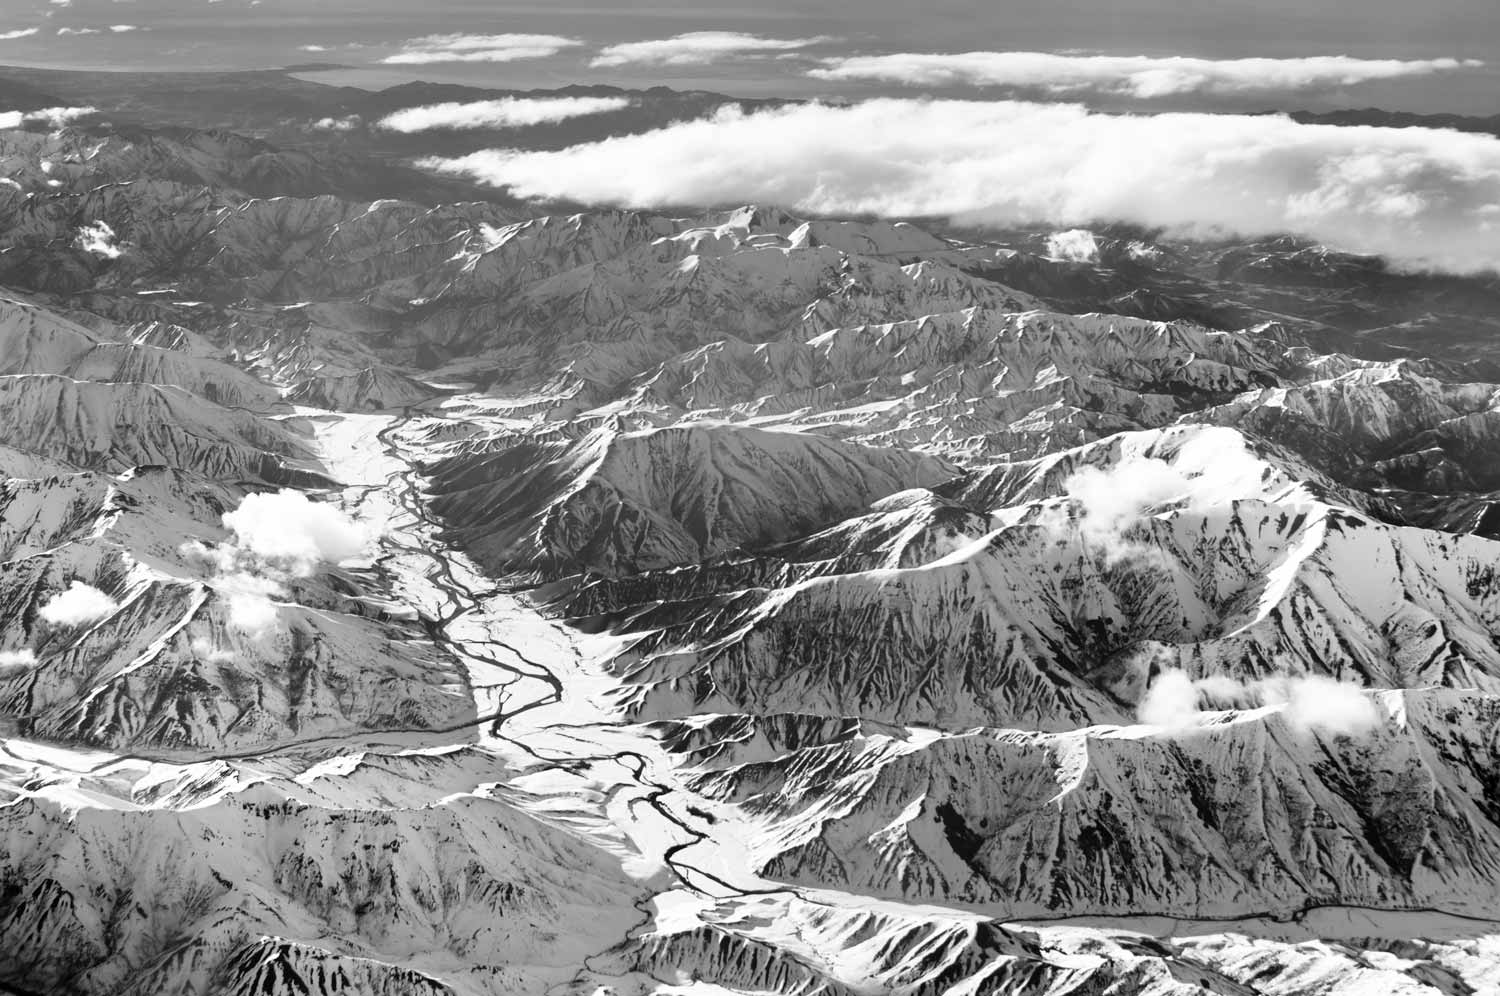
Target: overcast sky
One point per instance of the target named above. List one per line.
(200, 34)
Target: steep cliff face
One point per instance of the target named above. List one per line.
(413, 599)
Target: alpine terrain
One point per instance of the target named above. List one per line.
(405, 589)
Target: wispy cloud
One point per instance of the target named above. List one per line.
(479, 48)
(1423, 198)
(696, 48)
(341, 46)
(508, 112)
(1132, 75)
(18, 33)
(115, 28)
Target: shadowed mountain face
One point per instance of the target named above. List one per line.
(403, 592)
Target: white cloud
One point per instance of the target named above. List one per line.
(313, 48)
(292, 533)
(277, 536)
(1170, 701)
(1210, 469)
(1423, 198)
(80, 605)
(18, 33)
(1320, 703)
(1076, 244)
(1139, 76)
(13, 662)
(251, 609)
(478, 48)
(696, 48)
(204, 650)
(337, 124)
(55, 117)
(116, 28)
(508, 112)
(1308, 702)
(97, 238)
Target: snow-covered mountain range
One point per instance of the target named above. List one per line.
(410, 596)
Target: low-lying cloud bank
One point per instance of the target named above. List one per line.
(1139, 76)
(696, 48)
(508, 112)
(1422, 198)
(478, 48)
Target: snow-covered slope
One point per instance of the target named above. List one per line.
(262, 887)
(1257, 813)
(109, 426)
(615, 501)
